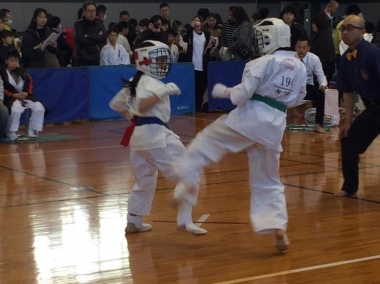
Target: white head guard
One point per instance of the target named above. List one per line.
(146, 59)
(270, 35)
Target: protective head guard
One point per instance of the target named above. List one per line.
(154, 60)
(270, 35)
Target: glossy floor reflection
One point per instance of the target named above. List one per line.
(63, 207)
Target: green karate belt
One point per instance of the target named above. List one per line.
(270, 102)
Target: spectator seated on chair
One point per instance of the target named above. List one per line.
(18, 91)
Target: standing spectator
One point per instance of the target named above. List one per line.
(123, 28)
(124, 16)
(35, 54)
(330, 10)
(90, 37)
(228, 28)
(322, 45)
(213, 27)
(154, 31)
(114, 53)
(198, 50)
(288, 15)
(241, 45)
(165, 14)
(64, 50)
(101, 13)
(173, 48)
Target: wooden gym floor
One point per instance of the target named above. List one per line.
(63, 207)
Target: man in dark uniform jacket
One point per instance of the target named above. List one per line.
(359, 71)
(90, 37)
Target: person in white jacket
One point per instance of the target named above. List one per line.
(270, 84)
(113, 53)
(153, 146)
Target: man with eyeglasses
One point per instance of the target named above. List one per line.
(90, 37)
(359, 71)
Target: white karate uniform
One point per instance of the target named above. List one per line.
(255, 127)
(122, 40)
(36, 120)
(175, 53)
(114, 56)
(153, 147)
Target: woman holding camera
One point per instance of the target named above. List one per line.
(241, 47)
(154, 31)
(198, 52)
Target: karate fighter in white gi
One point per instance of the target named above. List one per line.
(270, 84)
(153, 146)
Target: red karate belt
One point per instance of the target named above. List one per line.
(128, 134)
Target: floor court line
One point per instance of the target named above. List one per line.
(298, 270)
(203, 218)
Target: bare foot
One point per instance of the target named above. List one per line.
(282, 241)
(319, 129)
(343, 193)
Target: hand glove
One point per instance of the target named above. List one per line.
(173, 89)
(167, 90)
(221, 91)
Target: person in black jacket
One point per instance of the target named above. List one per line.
(33, 51)
(154, 32)
(289, 14)
(322, 44)
(90, 37)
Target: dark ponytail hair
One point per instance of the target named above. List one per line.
(132, 85)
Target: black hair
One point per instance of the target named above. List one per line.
(33, 22)
(353, 10)
(112, 30)
(132, 22)
(5, 33)
(303, 38)
(54, 22)
(88, 3)
(100, 9)
(123, 13)
(263, 13)
(3, 12)
(155, 18)
(80, 13)
(369, 27)
(122, 25)
(171, 31)
(144, 22)
(164, 5)
(179, 23)
(132, 85)
(12, 53)
(239, 14)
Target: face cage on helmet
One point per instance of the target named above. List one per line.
(155, 68)
(259, 42)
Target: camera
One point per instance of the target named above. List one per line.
(244, 52)
(156, 26)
